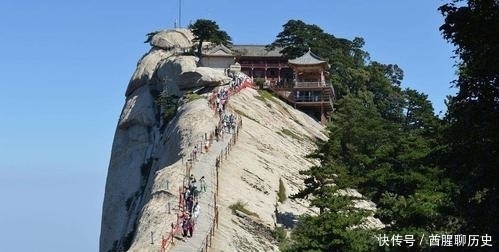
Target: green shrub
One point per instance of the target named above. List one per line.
(164, 99)
(241, 207)
(239, 112)
(168, 105)
(168, 114)
(280, 234)
(192, 97)
(259, 82)
(281, 194)
(265, 95)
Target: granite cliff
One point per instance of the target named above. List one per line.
(159, 125)
(149, 144)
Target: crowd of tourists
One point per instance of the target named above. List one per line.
(190, 213)
(227, 123)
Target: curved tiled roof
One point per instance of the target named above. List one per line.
(219, 50)
(256, 51)
(308, 59)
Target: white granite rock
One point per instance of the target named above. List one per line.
(202, 76)
(145, 153)
(145, 69)
(173, 38)
(146, 167)
(170, 70)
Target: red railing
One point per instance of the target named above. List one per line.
(175, 228)
(166, 241)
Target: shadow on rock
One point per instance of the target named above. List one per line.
(287, 219)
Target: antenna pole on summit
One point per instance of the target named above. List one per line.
(179, 13)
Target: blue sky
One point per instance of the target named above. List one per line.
(65, 66)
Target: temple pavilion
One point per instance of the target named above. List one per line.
(302, 82)
(310, 91)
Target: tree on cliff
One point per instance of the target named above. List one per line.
(207, 30)
(472, 139)
(382, 141)
(297, 37)
(346, 57)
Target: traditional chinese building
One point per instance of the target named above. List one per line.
(260, 63)
(218, 57)
(302, 82)
(310, 91)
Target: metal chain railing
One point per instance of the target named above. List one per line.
(205, 144)
(207, 242)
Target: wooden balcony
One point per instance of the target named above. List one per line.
(318, 101)
(306, 96)
(288, 92)
(310, 84)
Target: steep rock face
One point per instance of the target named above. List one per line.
(274, 140)
(272, 145)
(203, 76)
(145, 69)
(146, 157)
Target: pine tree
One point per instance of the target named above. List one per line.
(472, 137)
(208, 30)
(382, 142)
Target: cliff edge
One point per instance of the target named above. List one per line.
(167, 111)
(156, 127)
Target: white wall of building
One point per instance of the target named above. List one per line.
(217, 62)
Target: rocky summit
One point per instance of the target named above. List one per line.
(165, 133)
